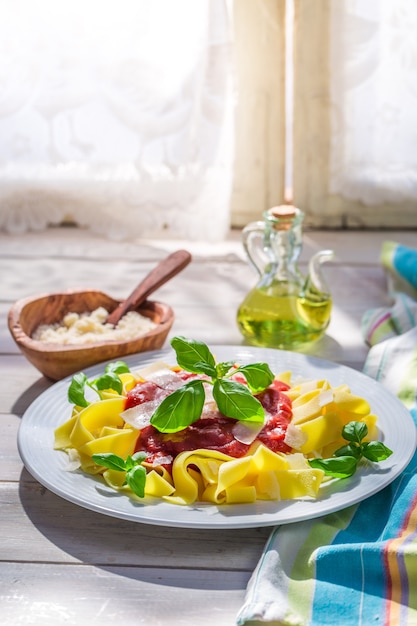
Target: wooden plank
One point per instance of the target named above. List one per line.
(7, 344)
(115, 277)
(359, 247)
(72, 242)
(10, 464)
(201, 286)
(81, 594)
(20, 384)
(39, 526)
(350, 246)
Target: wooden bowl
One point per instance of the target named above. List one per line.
(57, 361)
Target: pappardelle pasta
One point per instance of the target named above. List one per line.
(134, 433)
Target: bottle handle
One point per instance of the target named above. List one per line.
(256, 246)
(315, 279)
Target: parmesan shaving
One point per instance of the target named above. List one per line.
(74, 460)
(246, 432)
(144, 372)
(139, 416)
(162, 460)
(326, 397)
(294, 437)
(165, 378)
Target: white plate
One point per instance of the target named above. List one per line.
(36, 436)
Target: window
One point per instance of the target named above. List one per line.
(354, 162)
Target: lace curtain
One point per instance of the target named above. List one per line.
(373, 65)
(116, 114)
(355, 112)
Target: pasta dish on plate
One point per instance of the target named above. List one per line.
(202, 431)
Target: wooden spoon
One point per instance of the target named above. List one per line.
(162, 273)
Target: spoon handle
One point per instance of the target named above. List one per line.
(162, 273)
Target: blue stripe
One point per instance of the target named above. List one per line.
(405, 263)
(350, 573)
(353, 595)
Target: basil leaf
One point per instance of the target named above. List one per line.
(205, 368)
(109, 381)
(136, 479)
(223, 368)
(135, 459)
(76, 391)
(235, 400)
(349, 450)
(190, 353)
(181, 408)
(129, 463)
(375, 451)
(258, 376)
(135, 473)
(339, 467)
(119, 367)
(355, 431)
(110, 460)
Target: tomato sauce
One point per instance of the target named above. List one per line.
(214, 432)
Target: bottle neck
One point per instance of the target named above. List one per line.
(285, 246)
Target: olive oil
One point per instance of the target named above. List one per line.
(285, 309)
(283, 321)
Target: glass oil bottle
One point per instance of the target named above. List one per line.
(285, 309)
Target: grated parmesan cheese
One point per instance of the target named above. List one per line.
(86, 328)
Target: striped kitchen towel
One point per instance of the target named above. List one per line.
(356, 567)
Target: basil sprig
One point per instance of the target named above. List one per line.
(135, 472)
(345, 460)
(185, 405)
(108, 380)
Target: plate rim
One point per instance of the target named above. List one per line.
(210, 516)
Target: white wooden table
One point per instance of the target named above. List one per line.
(62, 564)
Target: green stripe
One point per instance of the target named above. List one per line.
(302, 583)
(382, 361)
(383, 331)
(387, 254)
(408, 386)
(410, 561)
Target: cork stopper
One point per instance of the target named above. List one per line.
(283, 211)
(282, 216)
